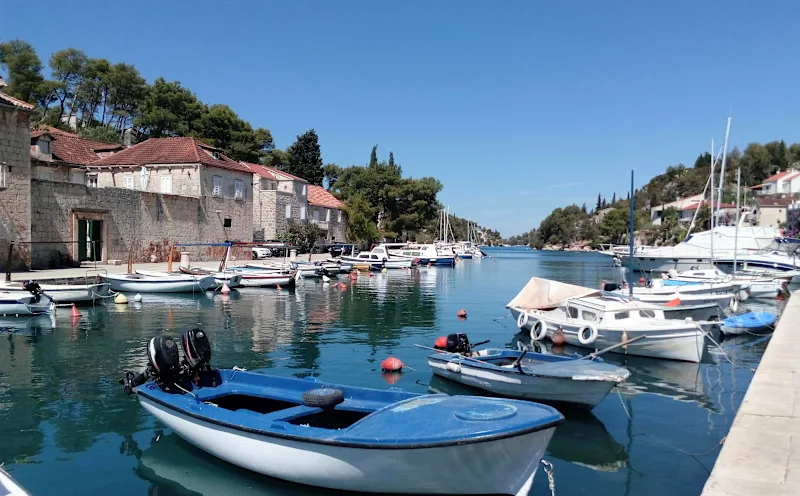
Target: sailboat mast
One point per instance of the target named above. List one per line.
(711, 203)
(736, 232)
(630, 239)
(724, 161)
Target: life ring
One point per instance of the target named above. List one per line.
(522, 319)
(538, 330)
(585, 339)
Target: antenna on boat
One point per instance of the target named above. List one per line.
(630, 240)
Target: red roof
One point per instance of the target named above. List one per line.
(179, 150)
(319, 197)
(71, 148)
(777, 176)
(694, 206)
(767, 201)
(261, 170)
(10, 100)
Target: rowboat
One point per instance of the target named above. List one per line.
(433, 254)
(304, 270)
(17, 303)
(266, 278)
(346, 438)
(748, 323)
(379, 258)
(8, 487)
(228, 277)
(531, 376)
(63, 293)
(594, 319)
(158, 282)
(724, 300)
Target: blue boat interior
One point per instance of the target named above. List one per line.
(752, 320)
(275, 406)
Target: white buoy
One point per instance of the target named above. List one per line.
(121, 299)
(137, 298)
(326, 279)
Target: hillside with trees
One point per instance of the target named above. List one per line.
(573, 226)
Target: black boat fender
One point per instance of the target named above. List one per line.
(323, 397)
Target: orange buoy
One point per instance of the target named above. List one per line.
(74, 312)
(392, 364)
(462, 314)
(441, 343)
(226, 299)
(558, 337)
(225, 289)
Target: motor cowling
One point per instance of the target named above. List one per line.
(162, 354)
(196, 348)
(458, 343)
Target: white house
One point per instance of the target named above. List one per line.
(782, 183)
(680, 204)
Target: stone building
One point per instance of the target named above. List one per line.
(328, 213)
(771, 211)
(57, 155)
(15, 179)
(279, 200)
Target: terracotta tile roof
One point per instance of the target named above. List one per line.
(791, 177)
(773, 202)
(10, 100)
(319, 197)
(693, 206)
(261, 170)
(777, 176)
(178, 150)
(71, 148)
(279, 173)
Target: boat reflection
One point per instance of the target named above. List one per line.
(582, 439)
(175, 467)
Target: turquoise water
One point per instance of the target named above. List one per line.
(66, 428)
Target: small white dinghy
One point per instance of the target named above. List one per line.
(159, 282)
(63, 293)
(17, 303)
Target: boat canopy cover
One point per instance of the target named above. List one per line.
(544, 293)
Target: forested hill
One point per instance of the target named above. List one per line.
(574, 225)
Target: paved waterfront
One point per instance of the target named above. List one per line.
(40, 275)
(761, 455)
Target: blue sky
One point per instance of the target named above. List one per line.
(516, 106)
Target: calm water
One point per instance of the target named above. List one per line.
(66, 427)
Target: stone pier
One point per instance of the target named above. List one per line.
(761, 455)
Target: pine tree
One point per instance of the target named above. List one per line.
(614, 198)
(305, 158)
(628, 196)
(373, 158)
(583, 208)
(391, 159)
(599, 203)
(604, 203)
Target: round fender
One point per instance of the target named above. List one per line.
(454, 367)
(734, 304)
(538, 330)
(323, 397)
(587, 334)
(522, 320)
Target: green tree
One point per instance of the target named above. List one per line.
(169, 109)
(67, 68)
(599, 203)
(125, 91)
(756, 163)
(360, 226)
(101, 133)
(305, 158)
(24, 70)
(703, 161)
(221, 127)
(331, 172)
(303, 236)
(613, 198)
(583, 208)
(391, 159)
(604, 203)
(615, 225)
(276, 158)
(373, 157)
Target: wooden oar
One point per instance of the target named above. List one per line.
(612, 347)
(517, 363)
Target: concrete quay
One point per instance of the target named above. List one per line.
(761, 455)
(61, 275)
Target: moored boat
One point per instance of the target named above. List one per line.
(302, 269)
(593, 319)
(159, 282)
(424, 254)
(749, 323)
(255, 278)
(63, 293)
(16, 303)
(379, 258)
(343, 437)
(756, 286)
(528, 375)
(227, 277)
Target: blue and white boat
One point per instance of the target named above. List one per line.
(749, 323)
(380, 257)
(426, 254)
(18, 303)
(532, 376)
(357, 439)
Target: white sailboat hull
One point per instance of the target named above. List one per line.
(490, 467)
(67, 293)
(166, 283)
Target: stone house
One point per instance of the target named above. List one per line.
(279, 200)
(57, 155)
(15, 179)
(771, 211)
(328, 213)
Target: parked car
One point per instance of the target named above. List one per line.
(270, 249)
(339, 249)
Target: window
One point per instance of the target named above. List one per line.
(216, 155)
(315, 214)
(373, 257)
(622, 315)
(217, 182)
(3, 176)
(302, 213)
(44, 146)
(647, 314)
(590, 316)
(166, 184)
(238, 189)
(91, 181)
(339, 219)
(327, 215)
(288, 211)
(573, 312)
(127, 182)
(304, 190)
(266, 184)
(227, 222)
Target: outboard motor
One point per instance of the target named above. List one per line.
(163, 364)
(458, 343)
(197, 357)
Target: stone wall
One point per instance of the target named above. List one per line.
(185, 178)
(328, 219)
(269, 212)
(149, 221)
(15, 190)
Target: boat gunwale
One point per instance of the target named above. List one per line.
(351, 444)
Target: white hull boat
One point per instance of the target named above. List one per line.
(262, 279)
(227, 277)
(159, 282)
(65, 293)
(17, 303)
(8, 487)
(685, 300)
(756, 287)
(592, 319)
(303, 270)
